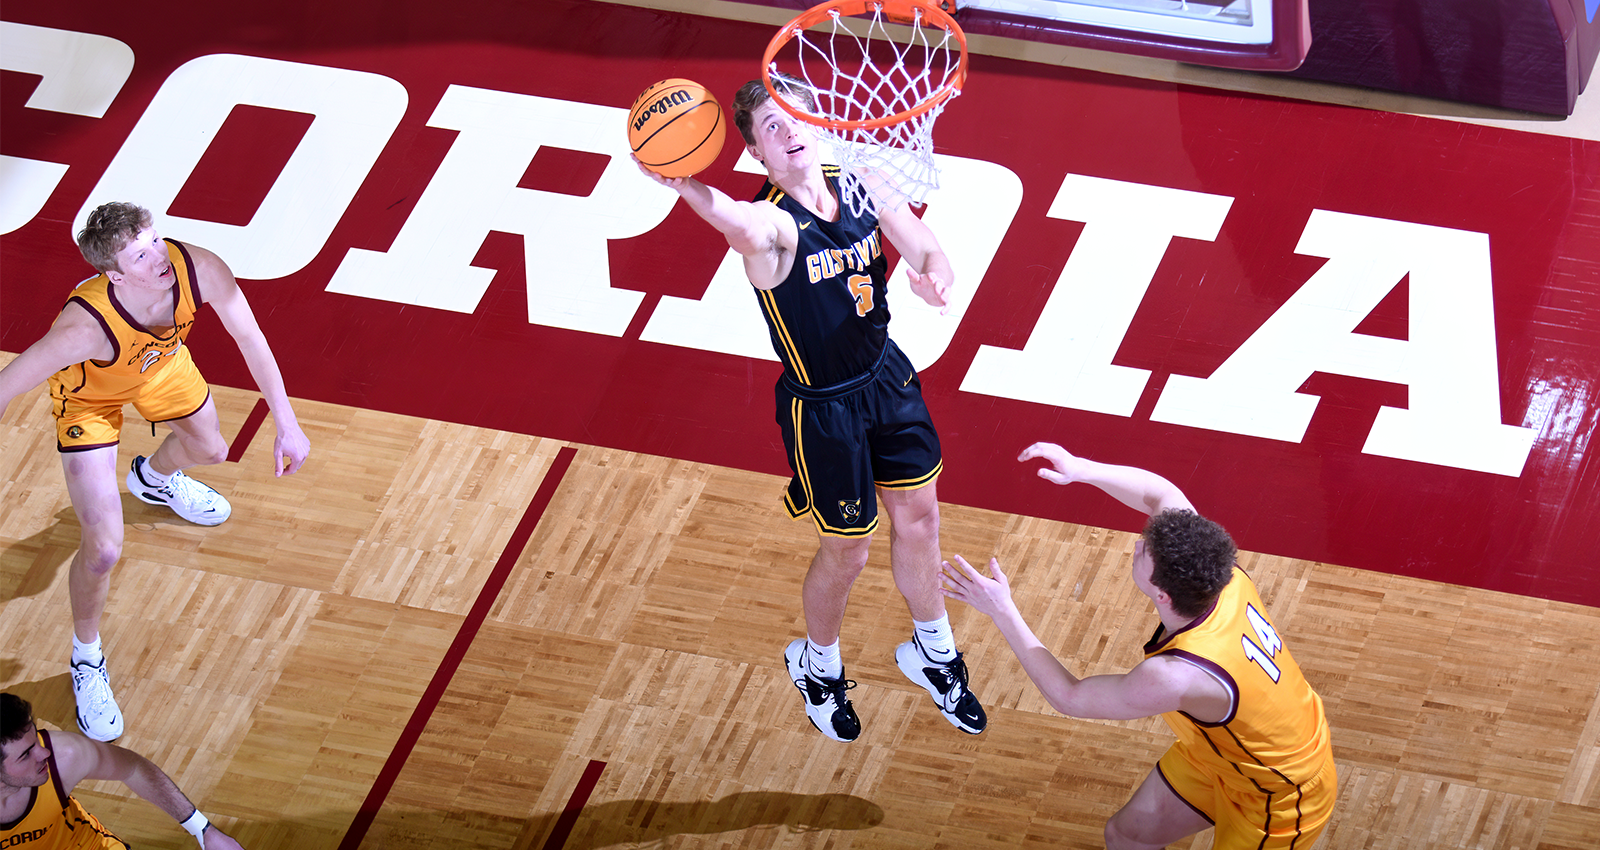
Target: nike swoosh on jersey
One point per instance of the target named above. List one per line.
(806, 225)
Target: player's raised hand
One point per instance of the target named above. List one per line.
(673, 183)
(990, 594)
(931, 288)
(1065, 467)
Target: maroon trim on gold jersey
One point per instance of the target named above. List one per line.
(194, 274)
(33, 800)
(116, 303)
(1156, 641)
(116, 349)
(1168, 783)
(186, 415)
(70, 449)
(55, 773)
(1217, 671)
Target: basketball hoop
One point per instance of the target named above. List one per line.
(877, 96)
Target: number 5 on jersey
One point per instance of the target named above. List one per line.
(861, 291)
(1270, 644)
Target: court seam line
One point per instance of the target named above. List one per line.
(580, 798)
(252, 423)
(384, 783)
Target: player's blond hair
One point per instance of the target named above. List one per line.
(109, 229)
(754, 93)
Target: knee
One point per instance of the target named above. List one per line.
(203, 449)
(1124, 831)
(844, 556)
(99, 553)
(916, 519)
(1115, 839)
(215, 451)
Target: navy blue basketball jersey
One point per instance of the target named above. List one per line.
(829, 319)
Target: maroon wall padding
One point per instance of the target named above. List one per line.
(1531, 55)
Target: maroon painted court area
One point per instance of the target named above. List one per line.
(1322, 498)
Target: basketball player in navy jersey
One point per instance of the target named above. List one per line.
(849, 402)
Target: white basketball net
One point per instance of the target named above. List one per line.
(893, 164)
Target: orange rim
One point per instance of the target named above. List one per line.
(906, 9)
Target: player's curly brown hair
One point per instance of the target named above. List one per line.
(109, 229)
(752, 94)
(1193, 559)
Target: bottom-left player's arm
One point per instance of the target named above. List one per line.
(220, 290)
(79, 758)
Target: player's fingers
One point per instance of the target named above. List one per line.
(967, 568)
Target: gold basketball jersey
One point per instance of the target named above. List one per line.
(1275, 735)
(140, 354)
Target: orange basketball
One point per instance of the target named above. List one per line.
(675, 128)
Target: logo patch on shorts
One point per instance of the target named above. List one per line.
(850, 509)
(74, 432)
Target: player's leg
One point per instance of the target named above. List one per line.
(906, 461)
(930, 658)
(826, 591)
(914, 547)
(91, 477)
(813, 661)
(195, 440)
(831, 474)
(1153, 817)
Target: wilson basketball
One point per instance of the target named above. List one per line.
(675, 128)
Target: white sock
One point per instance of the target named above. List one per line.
(934, 638)
(89, 653)
(823, 662)
(150, 475)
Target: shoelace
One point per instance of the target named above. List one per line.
(192, 493)
(99, 688)
(954, 673)
(830, 688)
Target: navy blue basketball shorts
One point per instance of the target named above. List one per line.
(842, 447)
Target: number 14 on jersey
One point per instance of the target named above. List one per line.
(1267, 644)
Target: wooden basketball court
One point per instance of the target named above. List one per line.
(440, 635)
(402, 647)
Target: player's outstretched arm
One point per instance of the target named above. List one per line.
(1155, 686)
(749, 228)
(929, 269)
(219, 289)
(74, 338)
(81, 758)
(1137, 488)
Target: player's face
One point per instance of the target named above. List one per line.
(1143, 568)
(143, 263)
(24, 765)
(783, 142)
